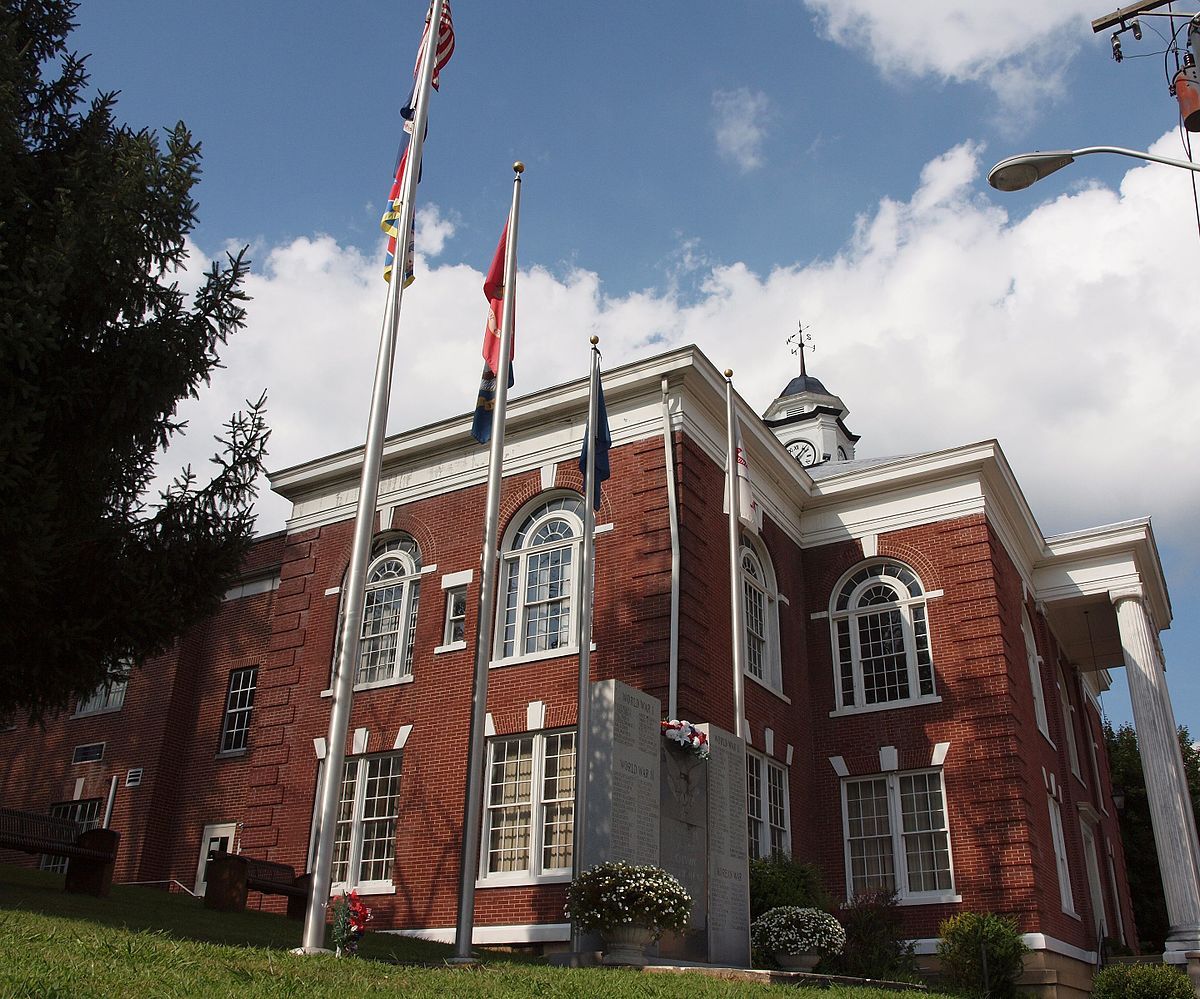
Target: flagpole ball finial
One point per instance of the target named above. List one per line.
(729, 372)
(594, 340)
(519, 167)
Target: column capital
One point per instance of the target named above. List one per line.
(1127, 593)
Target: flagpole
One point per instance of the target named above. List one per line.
(354, 592)
(485, 616)
(737, 612)
(587, 572)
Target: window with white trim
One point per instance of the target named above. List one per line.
(1034, 662)
(86, 813)
(364, 845)
(881, 638)
(456, 616)
(760, 613)
(1068, 721)
(1060, 856)
(540, 580)
(108, 697)
(530, 807)
(239, 703)
(898, 836)
(767, 811)
(393, 588)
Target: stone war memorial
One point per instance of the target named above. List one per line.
(651, 803)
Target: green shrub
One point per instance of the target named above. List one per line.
(981, 954)
(1142, 981)
(876, 946)
(779, 880)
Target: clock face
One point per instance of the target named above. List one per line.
(803, 452)
(842, 456)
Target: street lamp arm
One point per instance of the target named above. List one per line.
(1015, 173)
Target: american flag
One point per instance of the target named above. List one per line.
(445, 45)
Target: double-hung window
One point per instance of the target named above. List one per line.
(1065, 895)
(364, 845)
(760, 609)
(881, 638)
(540, 581)
(1034, 662)
(767, 811)
(385, 652)
(530, 813)
(239, 703)
(897, 836)
(109, 696)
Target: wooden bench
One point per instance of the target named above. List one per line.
(91, 855)
(230, 877)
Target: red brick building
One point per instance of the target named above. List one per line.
(922, 673)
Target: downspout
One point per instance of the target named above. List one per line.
(673, 513)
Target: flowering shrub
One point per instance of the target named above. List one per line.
(350, 918)
(687, 736)
(617, 893)
(789, 929)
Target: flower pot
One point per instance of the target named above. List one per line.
(627, 945)
(798, 962)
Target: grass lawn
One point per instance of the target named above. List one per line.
(143, 942)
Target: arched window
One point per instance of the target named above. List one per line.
(385, 651)
(881, 637)
(540, 580)
(760, 613)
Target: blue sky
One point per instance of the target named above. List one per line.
(712, 172)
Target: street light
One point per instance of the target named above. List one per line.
(1018, 172)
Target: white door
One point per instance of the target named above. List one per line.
(215, 839)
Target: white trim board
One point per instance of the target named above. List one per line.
(514, 934)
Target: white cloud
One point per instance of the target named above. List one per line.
(433, 231)
(1019, 56)
(943, 321)
(740, 124)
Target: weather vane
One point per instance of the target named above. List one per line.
(800, 341)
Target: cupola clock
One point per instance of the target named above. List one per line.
(803, 451)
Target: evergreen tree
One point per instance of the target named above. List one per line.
(1137, 832)
(97, 345)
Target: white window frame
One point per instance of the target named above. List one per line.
(512, 604)
(913, 611)
(538, 802)
(1034, 663)
(399, 668)
(449, 642)
(897, 833)
(107, 698)
(358, 819)
(1114, 895)
(1060, 856)
(239, 703)
(1068, 722)
(759, 580)
(768, 808)
(77, 762)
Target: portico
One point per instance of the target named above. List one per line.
(1105, 597)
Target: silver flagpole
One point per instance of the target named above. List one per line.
(368, 495)
(485, 616)
(737, 613)
(587, 574)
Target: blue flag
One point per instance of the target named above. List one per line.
(603, 438)
(485, 405)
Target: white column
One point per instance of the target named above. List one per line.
(1162, 766)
